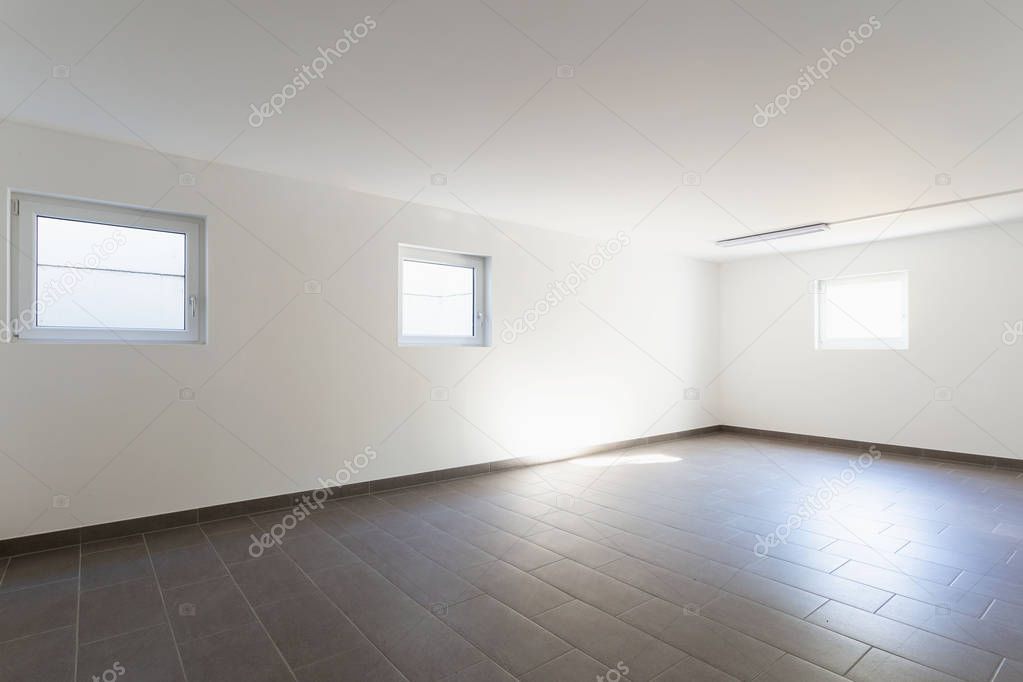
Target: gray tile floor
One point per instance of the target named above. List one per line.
(716, 558)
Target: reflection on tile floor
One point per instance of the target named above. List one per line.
(716, 558)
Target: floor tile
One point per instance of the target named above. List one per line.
(660, 582)
(339, 523)
(308, 628)
(510, 639)
(363, 662)
(513, 549)
(721, 646)
(48, 656)
(429, 650)
(449, 551)
(880, 665)
(584, 551)
(185, 565)
(29, 570)
(592, 587)
(914, 588)
(486, 671)
(574, 665)
(270, 579)
(649, 569)
(827, 585)
(610, 640)
(206, 608)
(232, 525)
(113, 543)
(982, 634)
(694, 670)
(947, 557)
(819, 561)
(954, 658)
(583, 526)
(175, 538)
(1011, 671)
(117, 609)
(279, 521)
(100, 569)
(807, 641)
(1006, 613)
(37, 609)
(917, 568)
(314, 552)
(986, 586)
(146, 656)
(521, 591)
(509, 521)
(790, 668)
(785, 598)
(417, 575)
(696, 567)
(245, 653)
(372, 602)
(241, 545)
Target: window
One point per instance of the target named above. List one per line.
(862, 312)
(98, 273)
(443, 298)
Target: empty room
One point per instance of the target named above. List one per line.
(495, 340)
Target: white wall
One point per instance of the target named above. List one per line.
(291, 384)
(963, 287)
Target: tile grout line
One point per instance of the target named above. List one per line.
(38, 585)
(36, 634)
(500, 529)
(857, 661)
(78, 615)
(252, 609)
(166, 614)
(456, 574)
(875, 611)
(771, 607)
(690, 551)
(327, 597)
(807, 616)
(428, 614)
(582, 601)
(120, 634)
(719, 589)
(988, 608)
(889, 598)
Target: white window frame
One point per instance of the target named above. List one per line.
(480, 299)
(873, 343)
(22, 259)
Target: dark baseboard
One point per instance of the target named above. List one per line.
(989, 461)
(148, 524)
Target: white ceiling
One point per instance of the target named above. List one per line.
(654, 129)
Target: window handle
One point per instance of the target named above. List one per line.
(191, 304)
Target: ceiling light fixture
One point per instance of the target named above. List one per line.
(775, 234)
